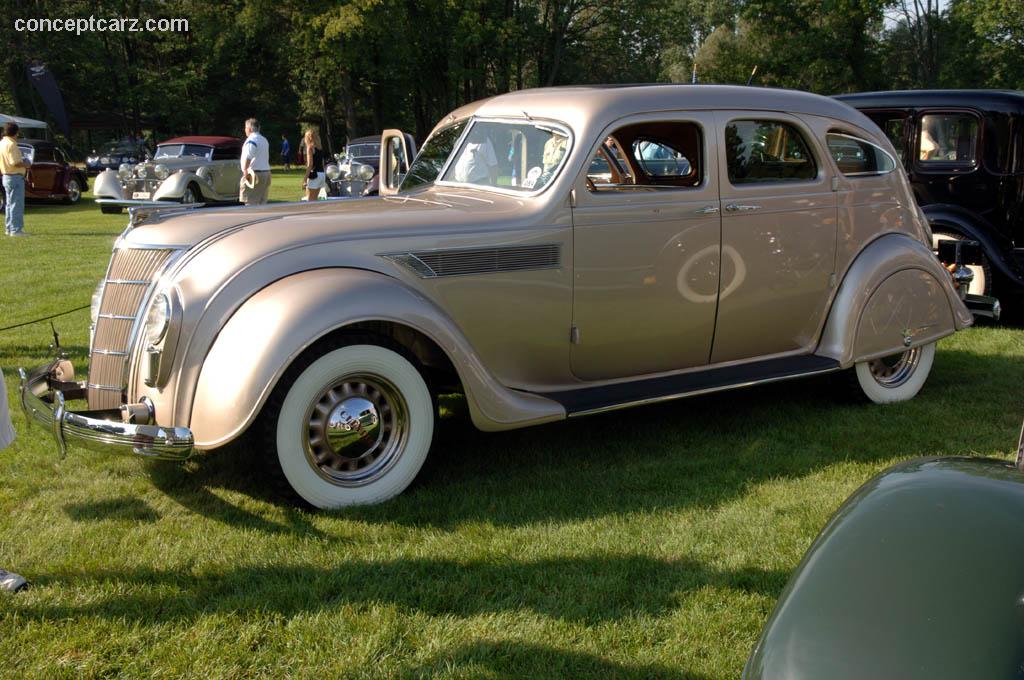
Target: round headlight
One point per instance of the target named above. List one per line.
(125, 171)
(97, 298)
(161, 171)
(332, 171)
(365, 172)
(140, 170)
(158, 318)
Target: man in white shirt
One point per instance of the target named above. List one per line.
(478, 163)
(255, 184)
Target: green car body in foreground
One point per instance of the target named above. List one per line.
(920, 574)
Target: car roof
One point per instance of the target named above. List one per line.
(371, 139)
(998, 100)
(582, 106)
(206, 140)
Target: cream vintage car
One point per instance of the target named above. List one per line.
(736, 252)
(187, 170)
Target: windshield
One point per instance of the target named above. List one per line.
(364, 150)
(520, 155)
(176, 150)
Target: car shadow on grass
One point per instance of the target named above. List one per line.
(701, 452)
(588, 590)
(514, 660)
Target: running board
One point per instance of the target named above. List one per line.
(587, 400)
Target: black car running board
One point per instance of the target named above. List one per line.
(587, 400)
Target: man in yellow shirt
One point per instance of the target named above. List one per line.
(13, 167)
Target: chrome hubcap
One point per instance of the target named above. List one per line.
(893, 371)
(73, 190)
(356, 430)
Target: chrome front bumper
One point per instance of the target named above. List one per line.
(43, 401)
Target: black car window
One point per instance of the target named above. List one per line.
(999, 144)
(947, 138)
(43, 155)
(767, 151)
(226, 153)
(857, 157)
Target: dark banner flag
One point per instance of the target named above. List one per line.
(46, 85)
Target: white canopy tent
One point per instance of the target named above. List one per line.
(30, 127)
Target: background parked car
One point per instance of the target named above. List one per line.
(964, 153)
(51, 177)
(354, 172)
(112, 155)
(198, 169)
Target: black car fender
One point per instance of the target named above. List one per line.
(947, 217)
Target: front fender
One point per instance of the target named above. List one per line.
(108, 185)
(895, 295)
(173, 188)
(273, 327)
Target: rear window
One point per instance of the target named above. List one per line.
(765, 151)
(858, 157)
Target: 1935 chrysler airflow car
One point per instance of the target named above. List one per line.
(497, 266)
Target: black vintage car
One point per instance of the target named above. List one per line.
(964, 153)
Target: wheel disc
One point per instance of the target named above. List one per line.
(357, 428)
(894, 370)
(74, 192)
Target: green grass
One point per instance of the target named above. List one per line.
(645, 543)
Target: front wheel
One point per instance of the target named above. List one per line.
(74, 192)
(354, 427)
(898, 377)
(190, 196)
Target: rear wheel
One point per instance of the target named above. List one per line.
(354, 426)
(897, 377)
(982, 283)
(74, 191)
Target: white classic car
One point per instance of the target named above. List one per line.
(198, 169)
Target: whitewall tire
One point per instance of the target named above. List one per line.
(354, 427)
(895, 378)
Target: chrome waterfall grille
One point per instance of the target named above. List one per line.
(128, 283)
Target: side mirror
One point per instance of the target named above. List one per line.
(394, 161)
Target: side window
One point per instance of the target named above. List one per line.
(767, 151)
(855, 156)
(225, 153)
(668, 154)
(43, 155)
(947, 138)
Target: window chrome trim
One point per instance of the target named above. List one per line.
(510, 120)
(871, 173)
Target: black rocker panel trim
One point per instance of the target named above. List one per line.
(653, 389)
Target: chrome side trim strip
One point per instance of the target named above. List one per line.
(110, 352)
(122, 317)
(105, 388)
(129, 282)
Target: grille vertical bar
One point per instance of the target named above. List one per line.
(128, 280)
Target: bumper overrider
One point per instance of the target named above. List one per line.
(43, 397)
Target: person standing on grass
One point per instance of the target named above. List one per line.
(9, 581)
(315, 177)
(255, 183)
(286, 152)
(13, 167)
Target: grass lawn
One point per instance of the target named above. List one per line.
(647, 543)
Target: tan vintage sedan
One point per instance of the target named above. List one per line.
(549, 253)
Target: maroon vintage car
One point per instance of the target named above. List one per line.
(51, 177)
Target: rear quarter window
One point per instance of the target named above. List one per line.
(858, 157)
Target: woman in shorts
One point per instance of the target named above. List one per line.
(315, 178)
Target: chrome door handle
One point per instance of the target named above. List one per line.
(739, 207)
(707, 210)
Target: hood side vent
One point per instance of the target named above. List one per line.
(430, 264)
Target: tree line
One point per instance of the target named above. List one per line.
(354, 67)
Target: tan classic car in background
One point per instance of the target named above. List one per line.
(196, 169)
(727, 236)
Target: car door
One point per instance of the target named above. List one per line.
(42, 178)
(646, 249)
(778, 236)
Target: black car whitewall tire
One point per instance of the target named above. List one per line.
(355, 427)
(895, 378)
